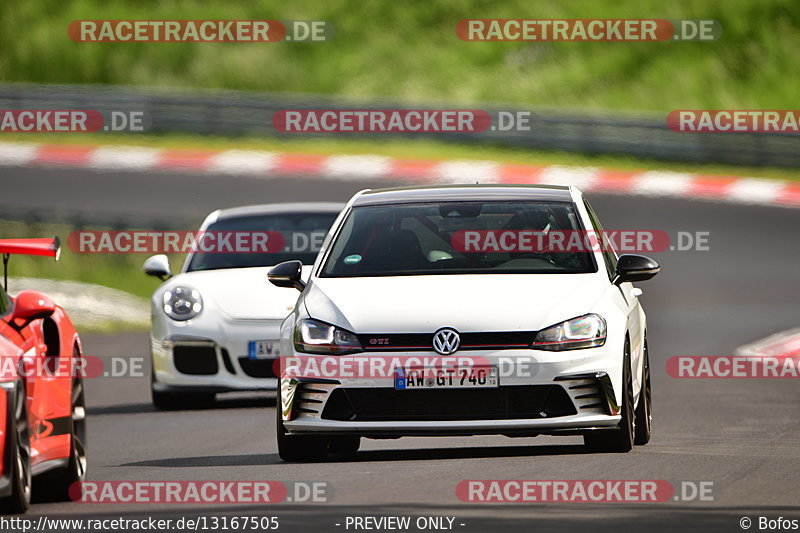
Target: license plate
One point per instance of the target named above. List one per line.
(445, 378)
(262, 349)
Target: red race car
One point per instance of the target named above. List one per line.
(42, 407)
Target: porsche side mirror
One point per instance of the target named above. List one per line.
(158, 266)
(287, 274)
(635, 268)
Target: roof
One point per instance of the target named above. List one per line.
(267, 209)
(458, 193)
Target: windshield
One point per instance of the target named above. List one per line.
(437, 238)
(289, 236)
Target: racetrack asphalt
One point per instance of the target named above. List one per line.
(741, 434)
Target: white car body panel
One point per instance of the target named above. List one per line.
(472, 303)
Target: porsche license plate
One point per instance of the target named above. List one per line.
(262, 349)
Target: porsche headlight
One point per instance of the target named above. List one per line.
(587, 331)
(182, 302)
(313, 336)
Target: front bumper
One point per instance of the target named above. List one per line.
(521, 427)
(539, 392)
(212, 357)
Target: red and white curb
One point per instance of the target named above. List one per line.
(734, 189)
(782, 344)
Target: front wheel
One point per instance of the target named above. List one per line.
(618, 440)
(19, 441)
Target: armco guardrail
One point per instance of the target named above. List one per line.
(232, 113)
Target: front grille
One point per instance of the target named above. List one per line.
(258, 368)
(195, 360)
(502, 403)
(495, 340)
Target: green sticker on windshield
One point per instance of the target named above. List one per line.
(352, 259)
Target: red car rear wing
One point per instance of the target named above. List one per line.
(45, 247)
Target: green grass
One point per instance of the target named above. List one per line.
(410, 51)
(416, 149)
(118, 271)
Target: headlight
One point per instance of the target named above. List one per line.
(313, 336)
(587, 331)
(182, 302)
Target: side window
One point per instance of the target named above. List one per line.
(609, 255)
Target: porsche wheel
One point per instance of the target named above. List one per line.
(56, 484)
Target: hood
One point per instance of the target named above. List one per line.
(421, 304)
(241, 293)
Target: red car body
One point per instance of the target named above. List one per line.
(41, 393)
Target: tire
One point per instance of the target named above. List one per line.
(345, 445)
(19, 440)
(55, 485)
(618, 440)
(644, 417)
(298, 448)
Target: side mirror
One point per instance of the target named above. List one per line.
(287, 274)
(635, 268)
(30, 305)
(158, 266)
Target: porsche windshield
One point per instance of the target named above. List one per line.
(454, 238)
(260, 240)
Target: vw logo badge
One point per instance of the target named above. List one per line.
(446, 341)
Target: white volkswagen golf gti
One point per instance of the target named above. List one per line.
(435, 311)
(216, 324)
